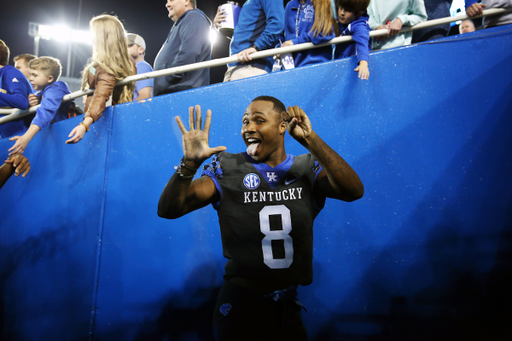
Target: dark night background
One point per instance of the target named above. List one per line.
(146, 18)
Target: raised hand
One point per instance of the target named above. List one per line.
(195, 141)
(297, 123)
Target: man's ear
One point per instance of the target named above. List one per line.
(282, 127)
(141, 51)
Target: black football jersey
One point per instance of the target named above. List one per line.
(266, 216)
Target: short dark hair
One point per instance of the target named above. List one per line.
(278, 105)
(358, 7)
(27, 57)
(4, 53)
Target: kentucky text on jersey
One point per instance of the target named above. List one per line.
(285, 195)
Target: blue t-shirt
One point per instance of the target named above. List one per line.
(52, 108)
(143, 67)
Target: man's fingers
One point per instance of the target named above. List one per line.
(218, 149)
(293, 123)
(198, 117)
(26, 171)
(207, 121)
(191, 118)
(180, 124)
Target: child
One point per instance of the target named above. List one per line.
(44, 76)
(353, 20)
(309, 21)
(110, 63)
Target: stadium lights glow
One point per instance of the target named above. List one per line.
(213, 36)
(60, 33)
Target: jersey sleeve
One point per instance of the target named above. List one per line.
(215, 172)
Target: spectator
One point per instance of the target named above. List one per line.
(435, 9)
(308, 23)
(467, 26)
(21, 63)
(393, 15)
(188, 42)
(14, 91)
(110, 63)
(473, 8)
(16, 163)
(260, 24)
(44, 76)
(137, 50)
(353, 20)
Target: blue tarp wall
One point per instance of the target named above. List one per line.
(424, 255)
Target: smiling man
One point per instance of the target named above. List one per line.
(266, 201)
(188, 42)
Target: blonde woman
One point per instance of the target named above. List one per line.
(110, 63)
(310, 21)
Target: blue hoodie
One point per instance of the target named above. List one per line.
(299, 20)
(188, 42)
(261, 23)
(14, 91)
(52, 107)
(360, 32)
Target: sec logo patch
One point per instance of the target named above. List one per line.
(251, 181)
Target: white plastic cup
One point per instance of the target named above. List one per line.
(232, 12)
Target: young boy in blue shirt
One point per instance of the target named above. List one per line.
(353, 20)
(44, 76)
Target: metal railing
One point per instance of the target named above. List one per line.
(14, 114)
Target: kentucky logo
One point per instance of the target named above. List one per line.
(271, 176)
(225, 308)
(251, 181)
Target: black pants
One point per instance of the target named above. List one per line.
(241, 314)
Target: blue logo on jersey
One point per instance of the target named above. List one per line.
(251, 181)
(225, 308)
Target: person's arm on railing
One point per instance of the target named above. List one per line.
(45, 113)
(417, 14)
(95, 104)
(274, 14)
